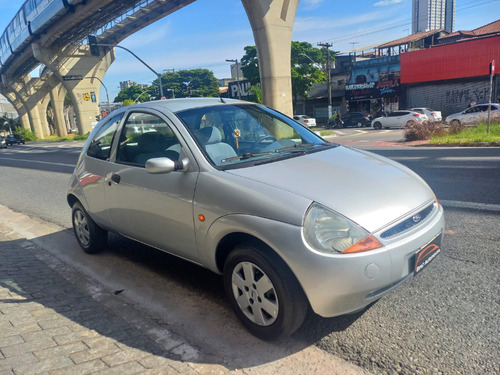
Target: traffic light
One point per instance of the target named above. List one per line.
(94, 48)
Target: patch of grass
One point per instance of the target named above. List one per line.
(55, 138)
(475, 134)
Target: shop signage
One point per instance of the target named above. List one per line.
(372, 90)
(242, 87)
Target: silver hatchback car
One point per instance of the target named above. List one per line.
(288, 219)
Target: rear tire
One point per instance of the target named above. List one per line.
(89, 235)
(263, 292)
(455, 123)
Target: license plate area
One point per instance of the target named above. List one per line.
(427, 254)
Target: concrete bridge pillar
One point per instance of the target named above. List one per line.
(19, 107)
(57, 94)
(75, 68)
(30, 93)
(272, 23)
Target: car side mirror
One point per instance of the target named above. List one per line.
(165, 165)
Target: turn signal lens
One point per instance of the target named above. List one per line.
(366, 244)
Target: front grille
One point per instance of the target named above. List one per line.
(408, 223)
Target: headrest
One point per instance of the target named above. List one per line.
(209, 135)
(152, 142)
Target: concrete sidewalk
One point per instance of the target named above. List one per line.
(47, 326)
(57, 320)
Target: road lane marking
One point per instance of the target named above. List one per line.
(40, 162)
(471, 205)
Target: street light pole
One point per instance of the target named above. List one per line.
(237, 76)
(142, 61)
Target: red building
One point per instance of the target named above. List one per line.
(448, 76)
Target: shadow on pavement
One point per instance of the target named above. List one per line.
(143, 299)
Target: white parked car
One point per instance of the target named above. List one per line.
(474, 114)
(307, 121)
(431, 114)
(398, 119)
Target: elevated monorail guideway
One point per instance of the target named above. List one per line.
(54, 33)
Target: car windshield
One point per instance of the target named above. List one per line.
(236, 135)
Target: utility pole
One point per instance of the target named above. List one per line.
(328, 74)
(492, 73)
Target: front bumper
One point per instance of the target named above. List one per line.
(343, 283)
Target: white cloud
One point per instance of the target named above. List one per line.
(312, 4)
(384, 3)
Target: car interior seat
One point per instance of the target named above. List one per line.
(153, 145)
(211, 139)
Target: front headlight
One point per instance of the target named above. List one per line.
(329, 232)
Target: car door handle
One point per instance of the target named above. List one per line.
(115, 178)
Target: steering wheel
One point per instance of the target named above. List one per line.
(262, 139)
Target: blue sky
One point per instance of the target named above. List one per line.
(207, 32)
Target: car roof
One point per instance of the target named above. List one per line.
(177, 105)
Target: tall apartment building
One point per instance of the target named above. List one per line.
(433, 14)
(126, 84)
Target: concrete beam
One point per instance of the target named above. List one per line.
(81, 74)
(272, 24)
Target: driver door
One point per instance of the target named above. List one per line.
(156, 209)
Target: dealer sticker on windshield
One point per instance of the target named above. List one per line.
(427, 254)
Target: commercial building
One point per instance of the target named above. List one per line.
(375, 82)
(449, 77)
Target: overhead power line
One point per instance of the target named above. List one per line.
(396, 25)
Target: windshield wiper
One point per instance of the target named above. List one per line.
(295, 147)
(247, 155)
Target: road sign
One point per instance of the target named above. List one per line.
(72, 77)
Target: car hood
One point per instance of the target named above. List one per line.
(369, 189)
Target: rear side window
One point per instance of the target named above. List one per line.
(100, 146)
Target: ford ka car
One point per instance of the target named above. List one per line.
(289, 220)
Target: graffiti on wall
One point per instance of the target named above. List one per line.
(467, 95)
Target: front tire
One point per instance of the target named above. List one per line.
(377, 125)
(89, 235)
(263, 292)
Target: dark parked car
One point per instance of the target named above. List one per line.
(356, 119)
(14, 138)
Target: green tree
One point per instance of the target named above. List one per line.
(189, 83)
(134, 93)
(250, 64)
(305, 70)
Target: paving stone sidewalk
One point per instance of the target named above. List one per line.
(47, 326)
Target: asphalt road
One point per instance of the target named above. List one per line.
(443, 321)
